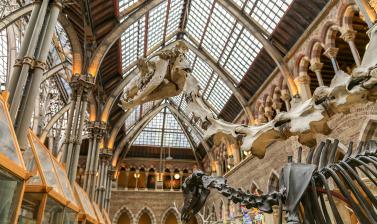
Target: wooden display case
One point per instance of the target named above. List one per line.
(13, 173)
(87, 214)
(48, 197)
(99, 214)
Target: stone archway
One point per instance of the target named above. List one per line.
(142, 219)
(122, 212)
(369, 129)
(171, 216)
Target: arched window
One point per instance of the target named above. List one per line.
(151, 182)
(124, 219)
(273, 183)
(167, 179)
(145, 219)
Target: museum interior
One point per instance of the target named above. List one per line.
(188, 111)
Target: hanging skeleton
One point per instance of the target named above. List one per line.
(167, 74)
(303, 187)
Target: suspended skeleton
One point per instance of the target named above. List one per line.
(303, 187)
(162, 76)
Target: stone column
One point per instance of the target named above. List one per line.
(235, 153)
(276, 102)
(286, 96)
(349, 37)
(331, 53)
(268, 112)
(303, 84)
(316, 67)
(110, 174)
(218, 168)
(171, 180)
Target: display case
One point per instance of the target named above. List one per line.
(48, 196)
(106, 216)
(12, 168)
(87, 214)
(99, 214)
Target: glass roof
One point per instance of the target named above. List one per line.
(163, 130)
(209, 27)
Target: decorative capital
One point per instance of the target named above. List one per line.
(331, 52)
(303, 80)
(316, 66)
(349, 35)
(40, 64)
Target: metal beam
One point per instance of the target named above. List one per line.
(117, 31)
(53, 120)
(191, 141)
(146, 118)
(16, 15)
(54, 70)
(223, 74)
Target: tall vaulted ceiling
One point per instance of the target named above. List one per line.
(227, 56)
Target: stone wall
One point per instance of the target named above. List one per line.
(359, 124)
(156, 203)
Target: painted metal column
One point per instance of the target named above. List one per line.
(69, 149)
(78, 140)
(349, 37)
(27, 107)
(91, 164)
(24, 46)
(20, 78)
(67, 136)
(316, 67)
(88, 160)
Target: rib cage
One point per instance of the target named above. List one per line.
(334, 180)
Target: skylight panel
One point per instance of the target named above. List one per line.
(133, 42)
(124, 4)
(3, 58)
(239, 3)
(191, 57)
(268, 13)
(163, 129)
(198, 17)
(148, 138)
(157, 122)
(132, 118)
(170, 122)
(218, 31)
(176, 7)
(156, 25)
(177, 99)
(202, 72)
(176, 140)
(219, 95)
(242, 55)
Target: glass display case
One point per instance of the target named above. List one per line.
(48, 198)
(106, 217)
(87, 214)
(99, 214)
(12, 168)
